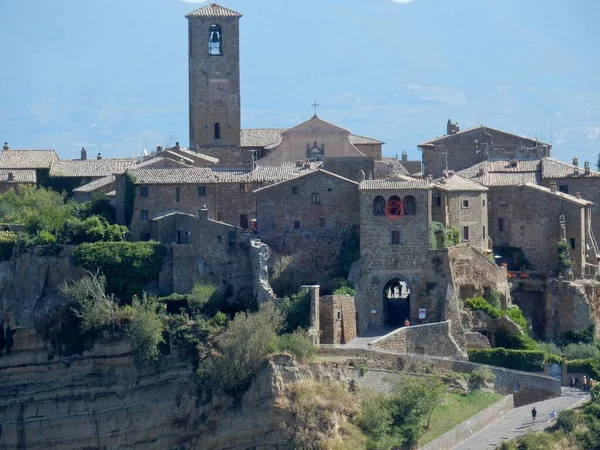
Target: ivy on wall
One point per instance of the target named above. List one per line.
(129, 202)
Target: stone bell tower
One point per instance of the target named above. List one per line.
(214, 80)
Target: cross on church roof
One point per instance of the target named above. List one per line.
(315, 105)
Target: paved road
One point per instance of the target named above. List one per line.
(518, 422)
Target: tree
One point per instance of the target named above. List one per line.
(243, 347)
(145, 329)
(90, 303)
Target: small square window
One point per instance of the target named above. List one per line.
(465, 233)
(144, 214)
(465, 204)
(295, 189)
(322, 221)
(177, 194)
(201, 191)
(315, 200)
(395, 237)
(143, 191)
(563, 188)
(296, 224)
(572, 243)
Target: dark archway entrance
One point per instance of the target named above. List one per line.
(396, 302)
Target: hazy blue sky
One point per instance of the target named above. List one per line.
(112, 74)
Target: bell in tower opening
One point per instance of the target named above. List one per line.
(215, 39)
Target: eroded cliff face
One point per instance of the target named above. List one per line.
(100, 401)
(29, 284)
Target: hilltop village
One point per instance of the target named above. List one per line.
(483, 210)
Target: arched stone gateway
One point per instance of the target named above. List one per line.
(396, 302)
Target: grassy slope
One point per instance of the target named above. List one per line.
(455, 410)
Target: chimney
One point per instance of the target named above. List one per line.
(177, 146)
(83, 154)
(576, 164)
(578, 194)
(6, 146)
(404, 156)
(11, 176)
(99, 157)
(299, 163)
(451, 128)
(586, 167)
(158, 148)
(553, 186)
(482, 170)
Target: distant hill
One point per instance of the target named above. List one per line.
(112, 74)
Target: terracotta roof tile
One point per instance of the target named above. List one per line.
(396, 164)
(457, 183)
(90, 167)
(269, 137)
(183, 175)
(467, 130)
(27, 159)
(553, 168)
(19, 176)
(96, 184)
(395, 185)
(213, 10)
(562, 195)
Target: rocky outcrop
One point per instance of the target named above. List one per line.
(259, 255)
(29, 284)
(100, 400)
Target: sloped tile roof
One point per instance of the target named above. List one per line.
(96, 184)
(483, 128)
(155, 160)
(306, 173)
(268, 137)
(457, 183)
(397, 166)
(195, 156)
(504, 173)
(395, 185)
(553, 168)
(90, 167)
(183, 175)
(213, 10)
(562, 195)
(27, 159)
(19, 176)
(412, 167)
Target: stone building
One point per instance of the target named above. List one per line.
(310, 217)
(39, 161)
(458, 150)
(227, 193)
(12, 179)
(461, 203)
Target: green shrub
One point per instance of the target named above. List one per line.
(515, 313)
(283, 278)
(204, 298)
(550, 348)
(589, 367)
(99, 205)
(296, 311)
(145, 330)
(564, 257)
(586, 336)
(441, 237)
(482, 375)
(567, 420)
(514, 256)
(343, 287)
(480, 304)
(494, 297)
(128, 266)
(520, 341)
(298, 343)
(525, 360)
(7, 243)
(581, 351)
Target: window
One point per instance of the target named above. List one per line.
(395, 237)
(144, 214)
(465, 233)
(243, 188)
(502, 224)
(483, 203)
(296, 224)
(215, 40)
(563, 188)
(409, 205)
(484, 231)
(394, 206)
(144, 191)
(339, 315)
(314, 198)
(295, 189)
(572, 243)
(201, 191)
(379, 206)
(177, 192)
(466, 203)
(243, 221)
(217, 130)
(322, 222)
(437, 198)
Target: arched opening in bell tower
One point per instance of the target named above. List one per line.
(215, 40)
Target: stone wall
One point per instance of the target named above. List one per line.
(567, 307)
(431, 339)
(371, 150)
(474, 216)
(527, 387)
(530, 220)
(350, 166)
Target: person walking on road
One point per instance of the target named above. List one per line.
(584, 383)
(533, 415)
(572, 382)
